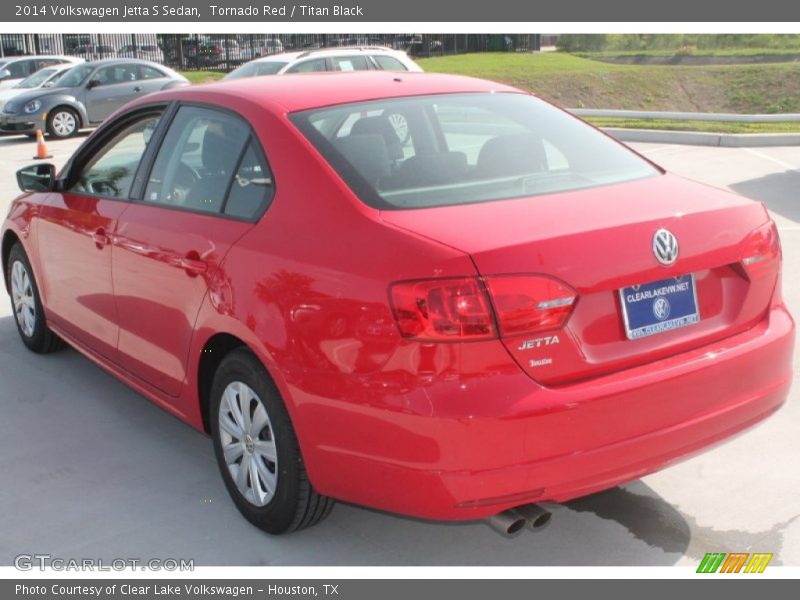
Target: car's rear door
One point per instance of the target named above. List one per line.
(150, 79)
(75, 226)
(207, 185)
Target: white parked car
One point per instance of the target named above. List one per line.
(365, 58)
(43, 78)
(14, 70)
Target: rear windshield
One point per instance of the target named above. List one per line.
(425, 151)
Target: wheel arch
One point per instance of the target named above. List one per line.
(9, 239)
(76, 107)
(214, 351)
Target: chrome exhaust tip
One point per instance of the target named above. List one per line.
(507, 523)
(536, 517)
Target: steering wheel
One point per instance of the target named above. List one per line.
(182, 183)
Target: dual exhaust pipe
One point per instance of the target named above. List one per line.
(511, 522)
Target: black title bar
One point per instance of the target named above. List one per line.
(387, 11)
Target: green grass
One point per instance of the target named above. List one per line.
(744, 52)
(202, 76)
(577, 82)
(705, 126)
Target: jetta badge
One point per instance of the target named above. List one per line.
(665, 247)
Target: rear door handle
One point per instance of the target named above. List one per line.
(193, 266)
(100, 238)
(138, 88)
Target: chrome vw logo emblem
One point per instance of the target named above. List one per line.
(661, 309)
(665, 247)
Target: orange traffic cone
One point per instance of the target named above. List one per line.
(41, 148)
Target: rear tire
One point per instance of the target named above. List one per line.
(264, 471)
(26, 304)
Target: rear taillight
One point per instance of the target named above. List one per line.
(762, 252)
(529, 303)
(461, 309)
(443, 309)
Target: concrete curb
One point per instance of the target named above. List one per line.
(699, 138)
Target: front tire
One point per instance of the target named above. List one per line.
(257, 450)
(26, 305)
(63, 123)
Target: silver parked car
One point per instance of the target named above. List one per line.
(85, 95)
(15, 69)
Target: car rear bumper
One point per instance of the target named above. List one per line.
(555, 444)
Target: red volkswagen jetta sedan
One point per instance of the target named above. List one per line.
(432, 295)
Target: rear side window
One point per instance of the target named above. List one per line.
(209, 162)
(350, 63)
(251, 189)
(146, 72)
(389, 63)
(423, 151)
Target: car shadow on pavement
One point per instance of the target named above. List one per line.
(779, 191)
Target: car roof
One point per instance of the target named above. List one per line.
(39, 57)
(313, 90)
(321, 52)
(124, 61)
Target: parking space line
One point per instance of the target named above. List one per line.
(777, 161)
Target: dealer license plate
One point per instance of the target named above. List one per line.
(659, 306)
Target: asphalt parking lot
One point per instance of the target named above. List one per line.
(91, 469)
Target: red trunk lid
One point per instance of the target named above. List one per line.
(598, 241)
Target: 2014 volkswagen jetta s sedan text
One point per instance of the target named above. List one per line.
(432, 295)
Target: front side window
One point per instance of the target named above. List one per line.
(74, 77)
(425, 151)
(111, 170)
(197, 160)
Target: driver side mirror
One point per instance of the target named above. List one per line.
(37, 178)
(4, 74)
(93, 83)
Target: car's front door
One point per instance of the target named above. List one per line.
(169, 245)
(74, 229)
(109, 88)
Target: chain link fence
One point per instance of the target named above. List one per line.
(225, 52)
